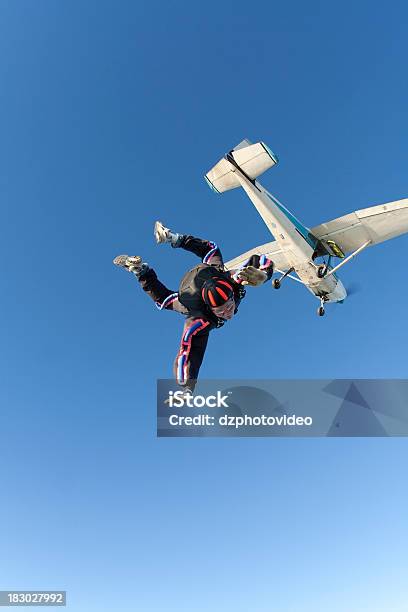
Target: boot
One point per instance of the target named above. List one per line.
(131, 263)
(164, 234)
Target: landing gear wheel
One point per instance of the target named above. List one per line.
(276, 283)
(321, 311)
(322, 271)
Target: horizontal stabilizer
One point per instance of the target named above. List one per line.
(253, 159)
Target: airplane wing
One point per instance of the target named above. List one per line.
(377, 223)
(270, 249)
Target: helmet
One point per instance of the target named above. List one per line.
(216, 292)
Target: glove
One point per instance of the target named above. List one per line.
(252, 276)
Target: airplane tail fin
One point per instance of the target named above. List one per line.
(253, 159)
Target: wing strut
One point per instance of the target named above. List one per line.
(289, 276)
(344, 261)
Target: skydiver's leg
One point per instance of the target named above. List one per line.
(207, 251)
(163, 297)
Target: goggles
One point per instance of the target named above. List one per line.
(225, 310)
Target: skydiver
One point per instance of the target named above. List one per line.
(208, 296)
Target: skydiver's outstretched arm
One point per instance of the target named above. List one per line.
(248, 273)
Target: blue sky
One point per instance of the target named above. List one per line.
(110, 115)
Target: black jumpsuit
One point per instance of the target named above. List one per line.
(197, 327)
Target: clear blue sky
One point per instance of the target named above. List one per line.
(111, 112)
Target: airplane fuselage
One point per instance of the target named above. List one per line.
(295, 241)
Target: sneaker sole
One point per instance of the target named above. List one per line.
(160, 232)
(123, 261)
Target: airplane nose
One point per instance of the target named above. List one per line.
(341, 292)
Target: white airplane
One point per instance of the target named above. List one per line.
(296, 247)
